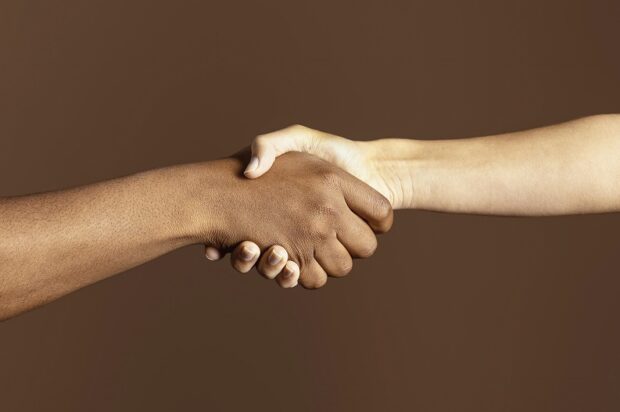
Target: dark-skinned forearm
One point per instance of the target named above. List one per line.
(57, 242)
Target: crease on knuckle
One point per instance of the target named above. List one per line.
(326, 209)
(330, 178)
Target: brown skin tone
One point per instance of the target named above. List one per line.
(321, 215)
(54, 243)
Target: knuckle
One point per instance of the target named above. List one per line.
(326, 209)
(345, 266)
(296, 127)
(313, 282)
(383, 208)
(301, 252)
(324, 213)
(383, 211)
(368, 248)
(323, 228)
(329, 178)
(260, 140)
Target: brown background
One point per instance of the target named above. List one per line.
(454, 313)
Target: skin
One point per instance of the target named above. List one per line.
(54, 243)
(569, 168)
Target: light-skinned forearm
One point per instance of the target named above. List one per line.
(54, 243)
(569, 168)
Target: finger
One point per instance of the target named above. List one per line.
(368, 204)
(356, 236)
(289, 276)
(245, 256)
(212, 253)
(334, 258)
(313, 276)
(266, 147)
(272, 261)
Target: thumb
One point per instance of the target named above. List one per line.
(266, 147)
(263, 156)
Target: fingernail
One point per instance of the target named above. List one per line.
(287, 274)
(252, 165)
(274, 258)
(247, 254)
(212, 254)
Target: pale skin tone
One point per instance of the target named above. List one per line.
(569, 168)
(54, 243)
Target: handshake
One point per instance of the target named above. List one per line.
(300, 218)
(310, 215)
